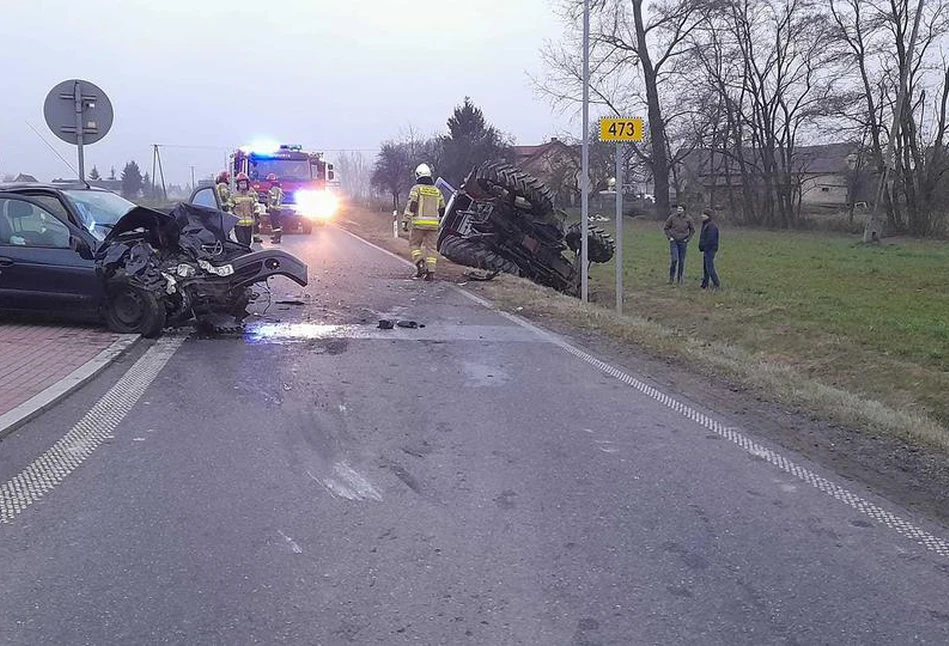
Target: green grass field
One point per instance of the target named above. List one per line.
(872, 319)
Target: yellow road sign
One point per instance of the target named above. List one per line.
(621, 129)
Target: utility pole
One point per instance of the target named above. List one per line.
(193, 186)
(585, 163)
(154, 164)
(872, 231)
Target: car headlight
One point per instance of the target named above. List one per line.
(316, 205)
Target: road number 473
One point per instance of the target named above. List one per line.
(621, 129)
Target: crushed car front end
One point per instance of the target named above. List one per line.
(184, 265)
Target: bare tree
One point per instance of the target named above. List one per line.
(392, 172)
(630, 50)
(355, 174)
(772, 76)
(877, 36)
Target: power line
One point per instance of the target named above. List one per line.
(50, 146)
(328, 150)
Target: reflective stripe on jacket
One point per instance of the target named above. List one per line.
(426, 204)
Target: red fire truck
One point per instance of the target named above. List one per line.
(309, 182)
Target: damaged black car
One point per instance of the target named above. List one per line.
(90, 254)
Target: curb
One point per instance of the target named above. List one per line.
(46, 399)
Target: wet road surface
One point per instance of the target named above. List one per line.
(322, 481)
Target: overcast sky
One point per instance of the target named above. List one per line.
(342, 74)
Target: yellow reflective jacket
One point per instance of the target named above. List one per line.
(425, 207)
(245, 207)
(224, 196)
(274, 198)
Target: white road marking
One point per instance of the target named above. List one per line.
(95, 427)
(348, 483)
(296, 549)
(896, 523)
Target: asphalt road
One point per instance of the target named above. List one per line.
(321, 481)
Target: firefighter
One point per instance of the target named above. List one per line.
(422, 217)
(274, 206)
(224, 191)
(245, 208)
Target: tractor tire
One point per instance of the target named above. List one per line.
(132, 310)
(601, 244)
(517, 182)
(464, 252)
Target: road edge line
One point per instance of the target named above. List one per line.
(907, 529)
(52, 395)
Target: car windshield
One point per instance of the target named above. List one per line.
(99, 210)
(292, 169)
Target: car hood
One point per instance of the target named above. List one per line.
(190, 227)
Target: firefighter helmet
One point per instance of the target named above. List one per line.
(242, 177)
(224, 178)
(272, 177)
(422, 170)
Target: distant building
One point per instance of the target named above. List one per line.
(829, 174)
(556, 164)
(24, 178)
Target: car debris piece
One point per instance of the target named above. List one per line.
(386, 324)
(503, 220)
(291, 302)
(480, 275)
(411, 325)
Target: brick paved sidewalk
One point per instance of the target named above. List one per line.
(34, 357)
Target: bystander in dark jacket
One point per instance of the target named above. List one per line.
(708, 245)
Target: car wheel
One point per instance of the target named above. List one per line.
(132, 310)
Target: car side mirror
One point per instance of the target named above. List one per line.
(80, 246)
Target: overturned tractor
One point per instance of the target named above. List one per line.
(503, 220)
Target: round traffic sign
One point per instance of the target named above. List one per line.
(92, 105)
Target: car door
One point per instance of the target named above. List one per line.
(45, 264)
(205, 196)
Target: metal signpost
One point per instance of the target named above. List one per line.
(585, 163)
(618, 131)
(79, 113)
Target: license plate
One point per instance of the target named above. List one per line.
(217, 270)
